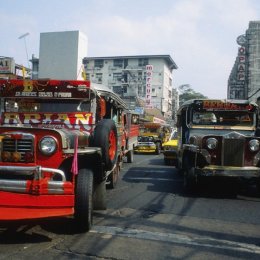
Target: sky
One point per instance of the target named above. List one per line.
(199, 35)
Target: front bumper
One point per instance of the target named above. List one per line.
(32, 195)
(224, 171)
(37, 183)
(145, 149)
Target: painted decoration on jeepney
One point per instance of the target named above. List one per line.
(221, 105)
(45, 88)
(77, 121)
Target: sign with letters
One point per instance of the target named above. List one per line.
(7, 65)
(149, 76)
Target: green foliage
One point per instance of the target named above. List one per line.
(187, 93)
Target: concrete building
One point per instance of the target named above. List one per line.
(175, 105)
(61, 55)
(10, 70)
(253, 38)
(244, 79)
(128, 75)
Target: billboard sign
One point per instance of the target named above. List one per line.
(149, 76)
(7, 65)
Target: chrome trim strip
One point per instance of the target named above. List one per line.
(36, 170)
(13, 186)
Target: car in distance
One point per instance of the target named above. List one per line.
(147, 144)
(170, 149)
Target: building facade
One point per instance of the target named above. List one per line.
(127, 76)
(10, 70)
(253, 37)
(175, 105)
(244, 79)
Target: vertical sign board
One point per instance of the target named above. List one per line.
(241, 68)
(7, 65)
(149, 75)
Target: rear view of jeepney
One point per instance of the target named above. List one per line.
(56, 148)
(216, 138)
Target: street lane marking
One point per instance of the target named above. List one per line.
(176, 238)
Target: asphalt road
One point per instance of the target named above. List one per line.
(149, 217)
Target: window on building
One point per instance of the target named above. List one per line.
(141, 90)
(140, 75)
(154, 94)
(117, 76)
(125, 77)
(170, 81)
(118, 63)
(144, 76)
(124, 89)
(169, 94)
(125, 63)
(143, 62)
(99, 63)
(99, 77)
(118, 90)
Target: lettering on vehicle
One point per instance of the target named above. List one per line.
(210, 104)
(43, 94)
(51, 120)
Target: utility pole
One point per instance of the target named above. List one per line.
(23, 36)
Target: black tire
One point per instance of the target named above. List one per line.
(166, 161)
(102, 138)
(84, 200)
(130, 156)
(189, 181)
(258, 187)
(158, 148)
(113, 178)
(175, 163)
(99, 196)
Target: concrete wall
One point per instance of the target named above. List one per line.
(61, 54)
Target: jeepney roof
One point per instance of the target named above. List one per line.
(233, 101)
(66, 85)
(106, 92)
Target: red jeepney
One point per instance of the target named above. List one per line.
(61, 143)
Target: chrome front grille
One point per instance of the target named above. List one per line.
(233, 152)
(18, 145)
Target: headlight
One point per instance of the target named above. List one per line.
(212, 143)
(48, 145)
(254, 145)
(193, 140)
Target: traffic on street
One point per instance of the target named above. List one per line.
(149, 216)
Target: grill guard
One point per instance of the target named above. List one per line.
(18, 143)
(233, 152)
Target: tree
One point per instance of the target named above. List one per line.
(187, 93)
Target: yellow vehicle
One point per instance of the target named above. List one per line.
(159, 132)
(170, 149)
(147, 144)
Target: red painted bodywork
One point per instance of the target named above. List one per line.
(36, 200)
(27, 206)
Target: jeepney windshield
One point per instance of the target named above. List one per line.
(44, 105)
(223, 118)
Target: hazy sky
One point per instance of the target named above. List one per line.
(200, 35)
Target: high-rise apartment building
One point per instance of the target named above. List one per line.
(128, 77)
(253, 38)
